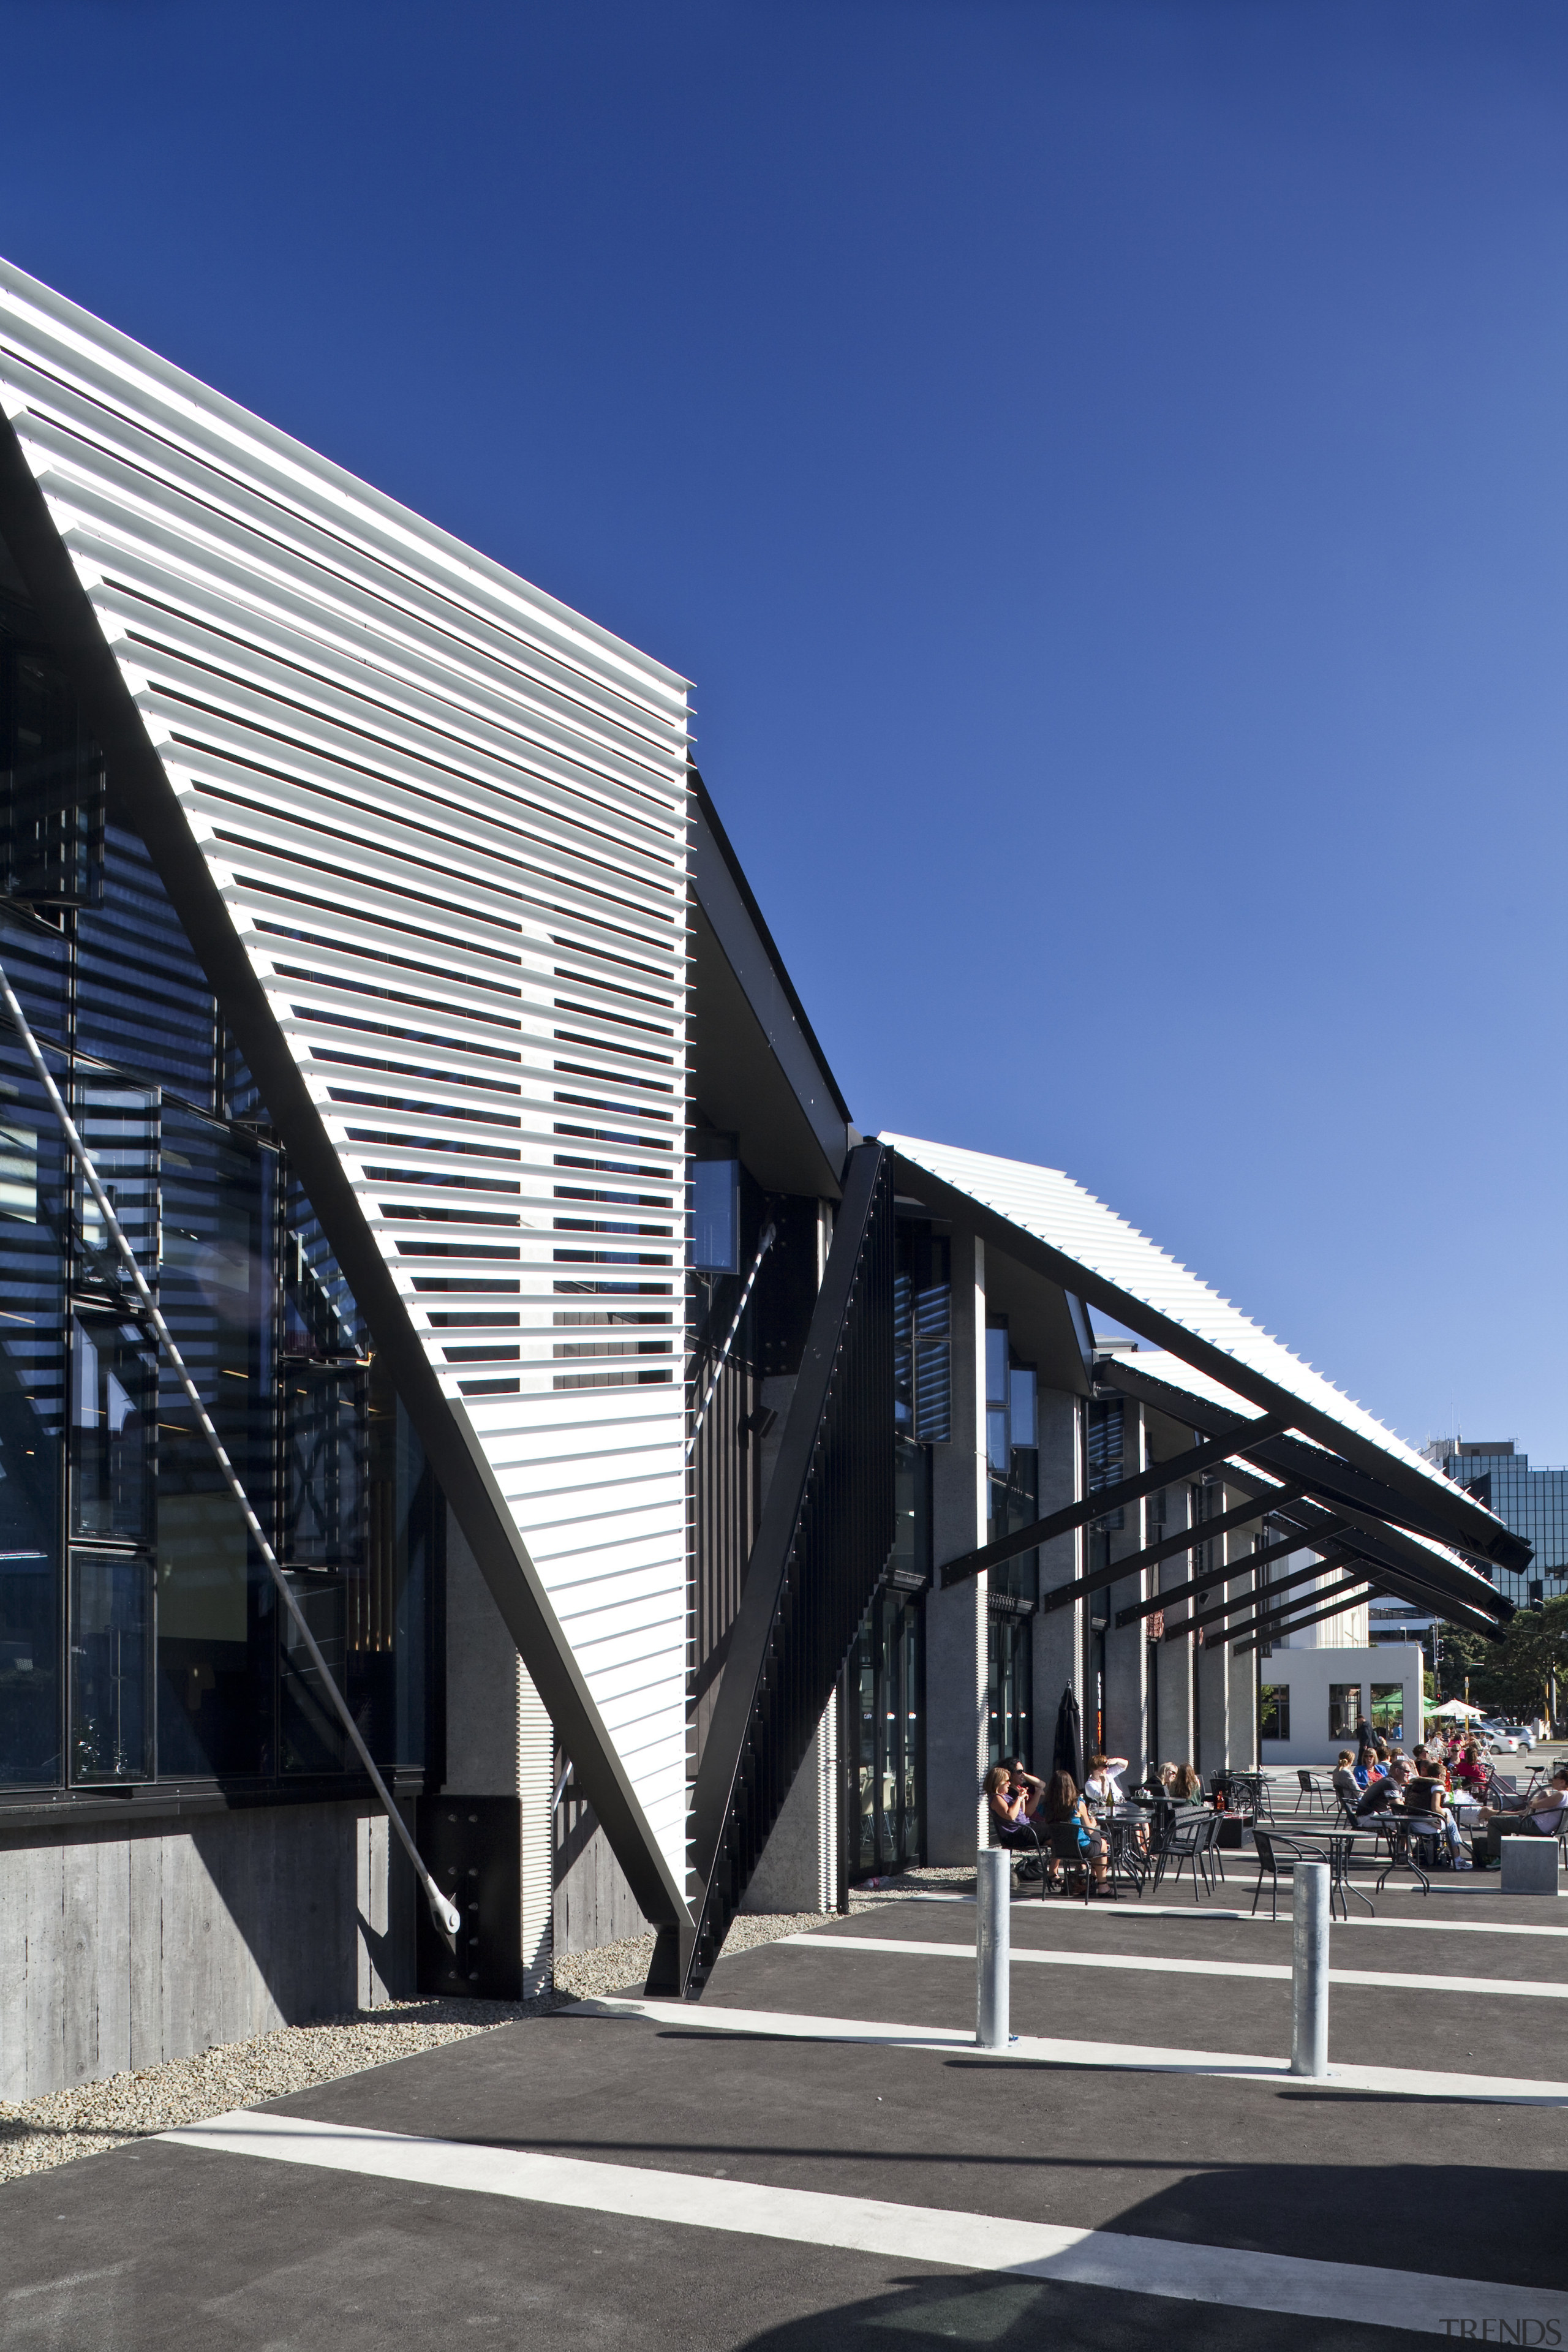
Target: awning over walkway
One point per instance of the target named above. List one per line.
(1409, 1566)
(1040, 1218)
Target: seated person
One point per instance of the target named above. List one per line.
(1545, 1814)
(1548, 1808)
(1188, 1789)
(1102, 1786)
(1012, 1820)
(1347, 1787)
(1063, 1803)
(1034, 1788)
(1385, 1795)
(1470, 1771)
(1425, 1796)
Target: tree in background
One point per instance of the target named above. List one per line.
(1522, 1674)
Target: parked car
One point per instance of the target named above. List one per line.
(1522, 1733)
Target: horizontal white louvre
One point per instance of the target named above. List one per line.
(448, 818)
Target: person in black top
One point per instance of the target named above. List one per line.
(1385, 1795)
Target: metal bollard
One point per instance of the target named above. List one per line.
(1310, 1917)
(992, 1947)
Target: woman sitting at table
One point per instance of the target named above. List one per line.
(1425, 1795)
(1470, 1771)
(1347, 1787)
(1012, 1815)
(1063, 1803)
(1102, 1786)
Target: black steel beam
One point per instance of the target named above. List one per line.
(1228, 1608)
(1401, 1559)
(1409, 1495)
(1357, 1495)
(756, 1652)
(1237, 1569)
(1108, 1498)
(1273, 1630)
(139, 786)
(1189, 1538)
(1355, 1585)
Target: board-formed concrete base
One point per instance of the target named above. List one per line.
(1529, 1865)
(123, 1947)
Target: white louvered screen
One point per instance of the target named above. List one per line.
(448, 817)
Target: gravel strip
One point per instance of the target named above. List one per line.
(65, 2124)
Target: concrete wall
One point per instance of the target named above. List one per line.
(799, 1868)
(500, 1744)
(956, 1621)
(1309, 1674)
(119, 1951)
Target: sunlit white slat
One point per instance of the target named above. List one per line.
(472, 805)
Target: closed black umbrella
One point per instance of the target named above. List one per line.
(1066, 1756)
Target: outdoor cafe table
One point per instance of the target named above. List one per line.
(1122, 1824)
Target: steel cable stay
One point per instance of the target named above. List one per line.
(447, 1919)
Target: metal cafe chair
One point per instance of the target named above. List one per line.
(1022, 1841)
(1066, 1849)
(1189, 1839)
(1312, 1790)
(1276, 1853)
(1402, 1848)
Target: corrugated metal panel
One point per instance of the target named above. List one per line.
(448, 817)
(1104, 1248)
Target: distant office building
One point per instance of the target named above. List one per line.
(1534, 1503)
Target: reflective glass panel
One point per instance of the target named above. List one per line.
(32, 1414)
(114, 1384)
(142, 1000)
(716, 1217)
(325, 1441)
(310, 1730)
(111, 1667)
(216, 1618)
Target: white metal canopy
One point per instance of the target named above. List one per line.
(1094, 1252)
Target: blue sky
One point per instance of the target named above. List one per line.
(1103, 467)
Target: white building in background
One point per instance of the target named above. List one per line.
(688, 1496)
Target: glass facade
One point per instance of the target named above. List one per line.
(885, 1733)
(1534, 1503)
(1010, 1689)
(141, 1637)
(1274, 1710)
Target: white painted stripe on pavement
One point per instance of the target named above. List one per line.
(1126, 2057)
(1026, 1908)
(1153, 1964)
(923, 2234)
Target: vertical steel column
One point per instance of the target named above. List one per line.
(993, 1946)
(1310, 1917)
